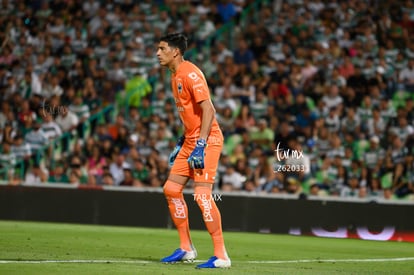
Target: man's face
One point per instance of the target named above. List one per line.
(36, 170)
(65, 111)
(36, 126)
(165, 53)
(262, 125)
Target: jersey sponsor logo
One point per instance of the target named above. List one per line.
(194, 76)
(180, 88)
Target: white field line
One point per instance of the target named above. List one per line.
(74, 261)
(198, 261)
(335, 260)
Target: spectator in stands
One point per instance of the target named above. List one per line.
(292, 185)
(21, 149)
(376, 125)
(333, 98)
(397, 154)
(77, 172)
(283, 134)
(246, 91)
(58, 174)
(25, 113)
(262, 135)
(373, 157)
(141, 172)
(74, 178)
(145, 110)
(128, 179)
(261, 175)
(232, 180)
(49, 127)
(67, 120)
(30, 85)
(121, 141)
(95, 162)
(358, 82)
(403, 129)
(116, 168)
(204, 29)
(237, 154)
(244, 120)
(226, 121)
(7, 159)
(159, 174)
(36, 139)
(243, 56)
(305, 118)
(91, 98)
(9, 132)
(113, 129)
(298, 161)
(374, 188)
(81, 110)
(53, 88)
(332, 121)
(226, 100)
(226, 9)
(223, 52)
(36, 174)
(259, 106)
(352, 188)
(350, 122)
(406, 77)
(107, 179)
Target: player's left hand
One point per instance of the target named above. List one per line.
(196, 159)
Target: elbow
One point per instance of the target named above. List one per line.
(212, 113)
(208, 109)
(212, 110)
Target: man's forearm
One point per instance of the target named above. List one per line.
(207, 118)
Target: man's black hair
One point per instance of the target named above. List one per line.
(176, 40)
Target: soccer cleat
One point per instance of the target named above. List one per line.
(215, 262)
(180, 255)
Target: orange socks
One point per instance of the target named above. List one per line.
(211, 216)
(179, 213)
(212, 219)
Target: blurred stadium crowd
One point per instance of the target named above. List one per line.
(314, 97)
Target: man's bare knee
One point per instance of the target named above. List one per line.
(178, 179)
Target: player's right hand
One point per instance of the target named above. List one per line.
(176, 150)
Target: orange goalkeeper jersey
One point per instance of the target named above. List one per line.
(189, 88)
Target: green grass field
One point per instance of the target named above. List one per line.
(47, 248)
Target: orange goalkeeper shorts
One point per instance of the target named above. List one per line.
(211, 159)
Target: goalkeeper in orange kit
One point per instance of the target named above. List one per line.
(196, 154)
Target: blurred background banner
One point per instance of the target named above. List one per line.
(278, 214)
